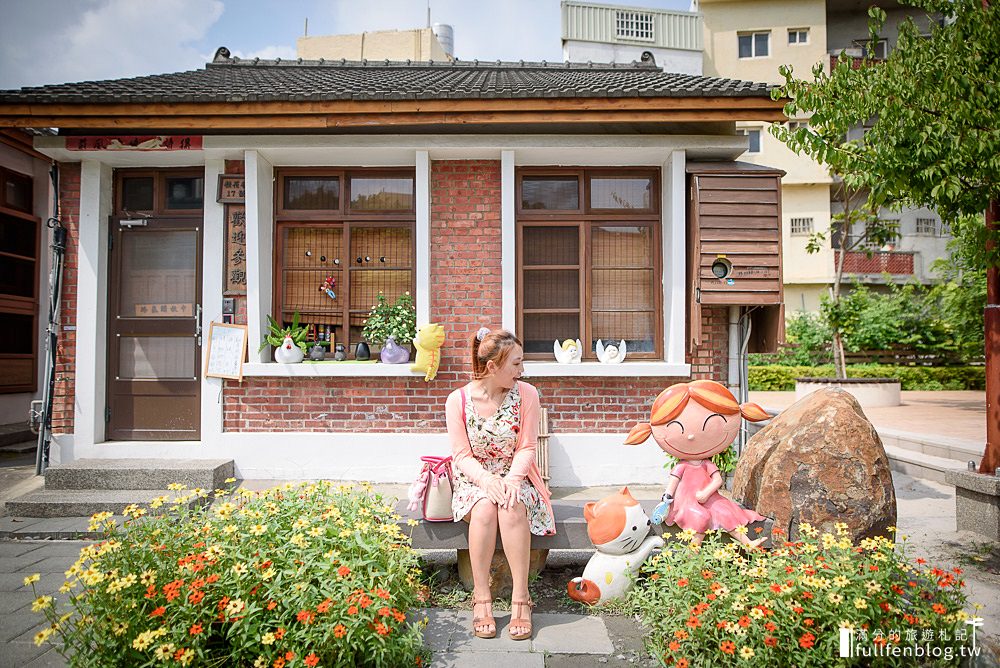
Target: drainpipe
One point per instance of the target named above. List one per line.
(737, 365)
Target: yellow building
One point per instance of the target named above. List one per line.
(419, 44)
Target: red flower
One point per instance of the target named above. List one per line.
(674, 645)
(921, 561)
(938, 608)
(382, 593)
(711, 597)
(196, 596)
(771, 641)
(305, 616)
(745, 621)
(382, 629)
(808, 595)
(808, 622)
(353, 610)
(776, 588)
(682, 582)
(884, 606)
(311, 660)
(195, 629)
(324, 606)
(693, 622)
(727, 646)
(807, 640)
(280, 633)
(682, 663)
(771, 626)
(271, 605)
(384, 611)
(343, 571)
(339, 631)
(797, 610)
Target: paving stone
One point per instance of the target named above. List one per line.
(570, 634)
(11, 626)
(15, 600)
(488, 660)
(19, 654)
(22, 563)
(51, 659)
(51, 565)
(13, 549)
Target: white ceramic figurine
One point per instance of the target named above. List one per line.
(569, 352)
(611, 354)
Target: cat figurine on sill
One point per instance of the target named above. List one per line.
(619, 529)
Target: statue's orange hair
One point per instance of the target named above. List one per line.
(671, 402)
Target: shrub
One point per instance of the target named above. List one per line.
(303, 575)
(775, 377)
(716, 605)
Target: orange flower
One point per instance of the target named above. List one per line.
(938, 608)
(324, 606)
(196, 596)
(214, 577)
(339, 631)
(195, 629)
(682, 582)
(305, 616)
(654, 576)
(681, 634)
(807, 640)
(311, 660)
(808, 622)
(289, 656)
(223, 602)
(921, 561)
(727, 646)
(364, 601)
(279, 663)
(343, 571)
(776, 588)
(745, 621)
(150, 591)
(158, 612)
(178, 654)
(271, 605)
(674, 645)
(682, 663)
(384, 611)
(771, 641)
(280, 633)
(770, 626)
(382, 629)
(353, 610)
(397, 615)
(382, 593)
(707, 574)
(693, 622)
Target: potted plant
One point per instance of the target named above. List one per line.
(392, 326)
(289, 342)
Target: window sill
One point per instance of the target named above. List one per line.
(270, 369)
(596, 369)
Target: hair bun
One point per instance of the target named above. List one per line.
(481, 333)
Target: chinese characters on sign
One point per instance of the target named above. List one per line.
(231, 189)
(136, 143)
(236, 249)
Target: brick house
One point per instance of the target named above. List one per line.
(555, 200)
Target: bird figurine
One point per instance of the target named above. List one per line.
(569, 352)
(611, 354)
(288, 352)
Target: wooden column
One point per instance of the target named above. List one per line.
(991, 457)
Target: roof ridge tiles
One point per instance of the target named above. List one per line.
(236, 61)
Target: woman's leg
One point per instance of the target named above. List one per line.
(516, 535)
(482, 546)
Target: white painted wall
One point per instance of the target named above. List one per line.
(670, 60)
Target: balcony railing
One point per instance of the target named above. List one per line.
(883, 262)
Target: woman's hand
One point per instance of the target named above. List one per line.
(703, 495)
(512, 490)
(496, 491)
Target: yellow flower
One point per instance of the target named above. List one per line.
(66, 587)
(808, 529)
(229, 529)
(746, 652)
(261, 662)
(175, 486)
(835, 598)
(186, 657)
(267, 639)
(412, 522)
(841, 581)
(240, 568)
(41, 603)
(31, 579)
(841, 528)
(268, 574)
(43, 635)
(165, 651)
(228, 480)
(872, 587)
(119, 628)
(258, 529)
(860, 604)
(344, 533)
(235, 607)
(844, 624)
(316, 532)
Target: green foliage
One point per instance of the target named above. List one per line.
(276, 335)
(779, 378)
(305, 574)
(932, 109)
(398, 320)
(725, 461)
(718, 606)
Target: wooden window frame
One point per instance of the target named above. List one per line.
(159, 177)
(585, 220)
(342, 218)
(16, 304)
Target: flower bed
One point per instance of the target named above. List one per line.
(301, 575)
(719, 606)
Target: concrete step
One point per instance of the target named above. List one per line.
(124, 474)
(19, 448)
(958, 449)
(17, 432)
(86, 502)
(920, 465)
(50, 528)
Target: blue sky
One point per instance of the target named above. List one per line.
(57, 41)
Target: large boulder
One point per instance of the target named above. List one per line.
(822, 462)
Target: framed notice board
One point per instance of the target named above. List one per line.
(227, 345)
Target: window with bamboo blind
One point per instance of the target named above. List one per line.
(588, 264)
(343, 236)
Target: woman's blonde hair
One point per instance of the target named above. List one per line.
(710, 394)
(495, 346)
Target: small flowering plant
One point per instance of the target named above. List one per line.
(302, 575)
(720, 606)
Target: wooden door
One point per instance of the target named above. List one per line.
(154, 333)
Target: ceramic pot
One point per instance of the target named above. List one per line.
(362, 352)
(288, 352)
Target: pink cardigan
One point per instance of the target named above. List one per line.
(524, 465)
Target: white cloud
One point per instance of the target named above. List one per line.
(110, 39)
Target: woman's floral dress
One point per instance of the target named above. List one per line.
(493, 440)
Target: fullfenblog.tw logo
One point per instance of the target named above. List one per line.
(923, 644)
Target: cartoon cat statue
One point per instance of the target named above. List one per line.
(619, 529)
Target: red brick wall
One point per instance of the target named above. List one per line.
(466, 294)
(69, 214)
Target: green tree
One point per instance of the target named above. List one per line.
(933, 113)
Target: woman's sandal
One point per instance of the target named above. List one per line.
(522, 622)
(483, 621)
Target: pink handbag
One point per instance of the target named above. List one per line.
(431, 491)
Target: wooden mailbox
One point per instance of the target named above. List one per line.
(734, 246)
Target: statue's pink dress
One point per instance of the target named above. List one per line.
(716, 513)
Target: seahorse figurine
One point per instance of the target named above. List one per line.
(430, 338)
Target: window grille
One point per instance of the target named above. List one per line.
(802, 226)
(927, 227)
(634, 25)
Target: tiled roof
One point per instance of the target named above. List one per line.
(234, 80)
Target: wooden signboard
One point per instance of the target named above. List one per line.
(236, 250)
(227, 346)
(232, 189)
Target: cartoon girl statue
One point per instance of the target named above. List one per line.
(693, 421)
